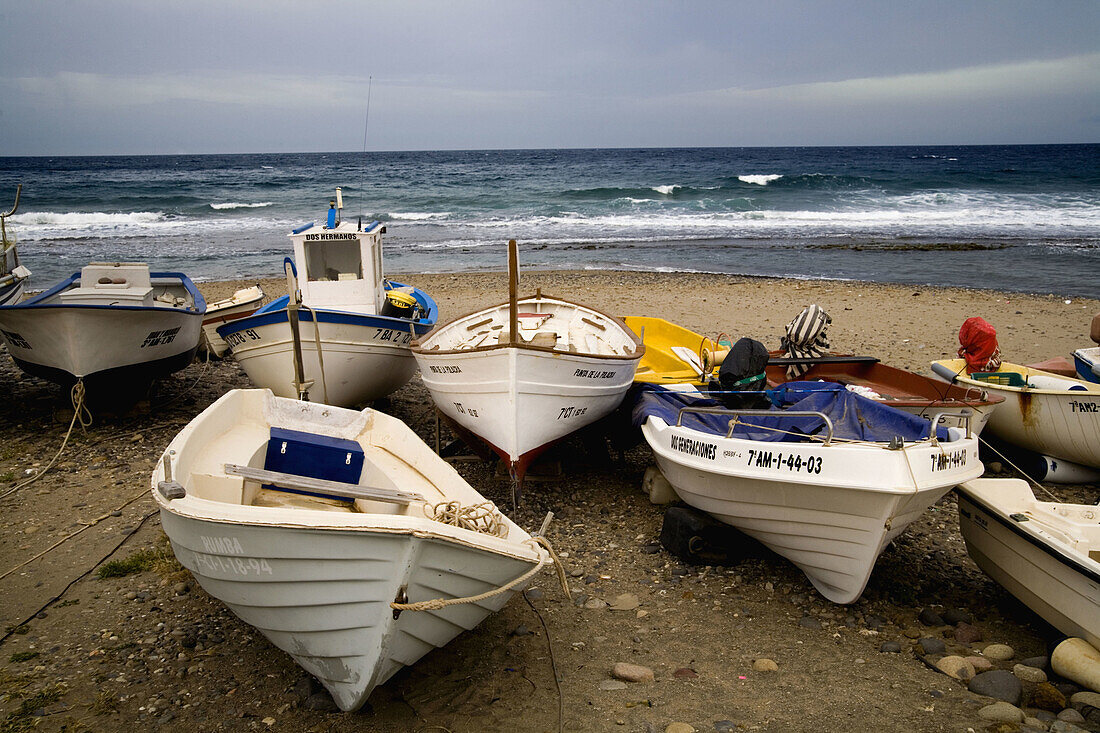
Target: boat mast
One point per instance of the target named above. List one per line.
(513, 292)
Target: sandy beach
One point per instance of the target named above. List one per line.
(150, 650)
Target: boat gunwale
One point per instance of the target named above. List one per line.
(1091, 389)
(197, 307)
(639, 347)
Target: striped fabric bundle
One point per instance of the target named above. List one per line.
(806, 338)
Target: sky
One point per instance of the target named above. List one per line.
(103, 77)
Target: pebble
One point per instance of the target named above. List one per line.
(763, 664)
(321, 702)
(890, 647)
(874, 622)
(932, 645)
(1065, 726)
(967, 633)
(725, 726)
(612, 685)
(999, 684)
(1037, 662)
(1071, 716)
(1046, 696)
(595, 603)
(685, 673)
(928, 617)
(1029, 674)
(1092, 699)
(809, 622)
(1001, 712)
(625, 602)
(631, 672)
(999, 652)
(980, 664)
(521, 630)
(954, 616)
(180, 588)
(534, 594)
(679, 728)
(956, 667)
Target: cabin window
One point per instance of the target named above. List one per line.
(332, 261)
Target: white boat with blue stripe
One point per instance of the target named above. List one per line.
(342, 336)
(113, 325)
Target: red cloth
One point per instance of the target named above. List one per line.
(979, 346)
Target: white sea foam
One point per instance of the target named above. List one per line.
(666, 190)
(235, 205)
(760, 180)
(418, 215)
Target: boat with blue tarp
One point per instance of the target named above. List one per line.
(819, 474)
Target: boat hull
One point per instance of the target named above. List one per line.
(12, 293)
(222, 312)
(99, 344)
(521, 401)
(1063, 423)
(829, 509)
(323, 595)
(365, 357)
(1031, 559)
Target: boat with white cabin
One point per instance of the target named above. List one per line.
(243, 302)
(331, 530)
(524, 374)
(342, 334)
(1046, 553)
(1042, 412)
(827, 482)
(112, 323)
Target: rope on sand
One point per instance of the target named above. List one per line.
(81, 413)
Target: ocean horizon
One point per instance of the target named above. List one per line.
(1022, 218)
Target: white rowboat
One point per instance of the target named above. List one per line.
(1043, 412)
(829, 506)
(1047, 554)
(308, 521)
(567, 366)
(13, 276)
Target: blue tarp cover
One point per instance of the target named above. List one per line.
(854, 417)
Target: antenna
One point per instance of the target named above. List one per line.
(366, 125)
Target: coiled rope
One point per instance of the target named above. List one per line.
(82, 414)
(483, 517)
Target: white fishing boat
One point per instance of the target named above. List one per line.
(309, 521)
(243, 302)
(342, 336)
(523, 374)
(112, 323)
(13, 276)
(1045, 553)
(1087, 362)
(827, 483)
(1043, 412)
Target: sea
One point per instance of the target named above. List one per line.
(1016, 218)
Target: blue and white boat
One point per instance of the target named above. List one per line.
(112, 324)
(343, 336)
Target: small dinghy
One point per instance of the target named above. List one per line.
(13, 276)
(678, 356)
(827, 482)
(113, 324)
(341, 336)
(243, 302)
(309, 521)
(1046, 413)
(1087, 361)
(1045, 553)
(523, 374)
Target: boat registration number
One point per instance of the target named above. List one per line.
(234, 565)
(394, 337)
(239, 337)
(946, 461)
(784, 461)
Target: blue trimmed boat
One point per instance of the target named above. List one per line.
(113, 324)
(343, 337)
(13, 276)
